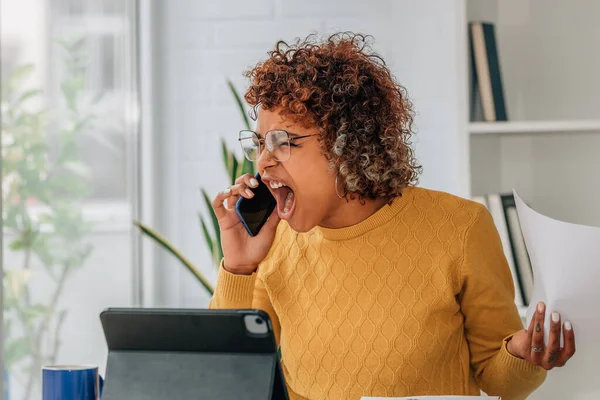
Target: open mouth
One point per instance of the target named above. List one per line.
(286, 199)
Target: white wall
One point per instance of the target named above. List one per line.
(203, 42)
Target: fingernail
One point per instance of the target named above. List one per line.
(253, 182)
(555, 317)
(540, 307)
(568, 326)
(226, 191)
(249, 192)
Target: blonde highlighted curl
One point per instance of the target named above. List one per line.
(344, 88)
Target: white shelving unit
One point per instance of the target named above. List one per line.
(528, 127)
(549, 150)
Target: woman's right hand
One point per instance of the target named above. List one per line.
(241, 252)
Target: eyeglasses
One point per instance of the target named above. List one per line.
(278, 142)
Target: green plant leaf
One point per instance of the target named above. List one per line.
(215, 221)
(44, 252)
(248, 167)
(233, 172)
(82, 123)
(63, 43)
(10, 301)
(15, 350)
(31, 314)
(162, 241)
(27, 95)
(244, 166)
(214, 247)
(16, 245)
(217, 254)
(77, 45)
(78, 168)
(226, 155)
(207, 236)
(240, 103)
(15, 282)
(99, 137)
(18, 75)
(69, 94)
(97, 98)
(231, 163)
(68, 184)
(70, 89)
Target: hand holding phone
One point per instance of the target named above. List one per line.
(255, 211)
(247, 224)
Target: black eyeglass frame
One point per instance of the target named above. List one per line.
(262, 145)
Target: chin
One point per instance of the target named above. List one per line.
(300, 225)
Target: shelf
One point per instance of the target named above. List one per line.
(526, 127)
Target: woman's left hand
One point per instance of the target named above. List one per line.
(529, 344)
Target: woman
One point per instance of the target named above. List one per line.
(375, 287)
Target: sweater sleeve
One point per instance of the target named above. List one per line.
(491, 316)
(243, 292)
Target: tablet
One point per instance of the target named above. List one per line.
(190, 353)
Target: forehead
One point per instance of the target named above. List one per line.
(272, 119)
(269, 120)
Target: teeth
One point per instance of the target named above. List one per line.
(288, 200)
(276, 185)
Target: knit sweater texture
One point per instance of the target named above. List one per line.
(417, 299)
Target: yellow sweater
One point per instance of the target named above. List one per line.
(417, 299)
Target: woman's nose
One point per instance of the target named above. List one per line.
(265, 160)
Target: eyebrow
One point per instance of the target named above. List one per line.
(279, 129)
(292, 135)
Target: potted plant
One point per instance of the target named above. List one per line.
(44, 186)
(210, 227)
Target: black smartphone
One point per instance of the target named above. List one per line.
(254, 212)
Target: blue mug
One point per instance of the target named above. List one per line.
(71, 382)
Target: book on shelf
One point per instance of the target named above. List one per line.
(503, 210)
(517, 244)
(433, 398)
(487, 91)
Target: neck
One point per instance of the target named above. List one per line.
(352, 212)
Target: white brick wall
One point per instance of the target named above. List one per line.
(326, 9)
(203, 42)
(222, 10)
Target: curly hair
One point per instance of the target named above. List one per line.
(344, 88)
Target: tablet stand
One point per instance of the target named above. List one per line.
(145, 375)
(156, 354)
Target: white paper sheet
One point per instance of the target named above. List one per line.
(566, 267)
(433, 397)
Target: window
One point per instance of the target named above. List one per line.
(106, 45)
(68, 127)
